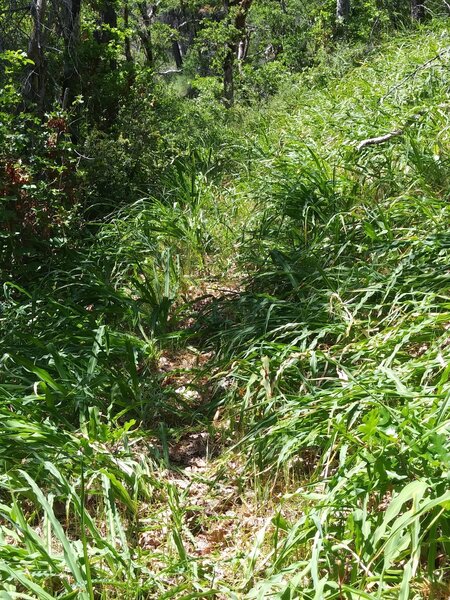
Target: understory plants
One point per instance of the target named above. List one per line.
(312, 273)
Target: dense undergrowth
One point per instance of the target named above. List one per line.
(328, 393)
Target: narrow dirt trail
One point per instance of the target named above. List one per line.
(202, 479)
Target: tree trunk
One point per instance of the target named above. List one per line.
(108, 21)
(236, 48)
(147, 14)
(342, 11)
(418, 10)
(177, 55)
(243, 49)
(174, 19)
(127, 43)
(35, 85)
(108, 17)
(71, 34)
(228, 77)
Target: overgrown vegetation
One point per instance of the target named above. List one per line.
(226, 329)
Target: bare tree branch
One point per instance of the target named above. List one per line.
(379, 139)
(414, 73)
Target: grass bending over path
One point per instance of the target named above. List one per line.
(309, 456)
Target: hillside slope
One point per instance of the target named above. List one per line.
(241, 391)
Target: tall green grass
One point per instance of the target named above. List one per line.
(339, 348)
(332, 365)
(84, 410)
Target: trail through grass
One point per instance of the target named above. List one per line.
(242, 390)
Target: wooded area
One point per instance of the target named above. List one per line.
(85, 41)
(225, 299)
